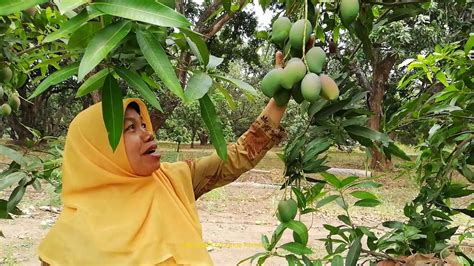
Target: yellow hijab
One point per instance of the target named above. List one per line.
(112, 216)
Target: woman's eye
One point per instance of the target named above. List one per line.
(143, 125)
(131, 127)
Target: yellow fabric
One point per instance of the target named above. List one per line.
(112, 217)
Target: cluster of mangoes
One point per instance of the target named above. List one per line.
(12, 105)
(302, 76)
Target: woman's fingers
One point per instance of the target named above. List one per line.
(278, 59)
(310, 43)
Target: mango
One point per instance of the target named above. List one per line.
(293, 73)
(14, 102)
(271, 82)
(5, 109)
(311, 87)
(5, 74)
(298, 35)
(280, 29)
(349, 9)
(282, 97)
(296, 93)
(329, 89)
(315, 59)
(287, 210)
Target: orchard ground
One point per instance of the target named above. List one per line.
(233, 217)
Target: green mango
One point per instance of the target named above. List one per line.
(293, 72)
(298, 33)
(14, 102)
(329, 89)
(349, 9)
(5, 109)
(296, 93)
(311, 87)
(287, 210)
(280, 30)
(5, 74)
(316, 59)
(282, 97)
(271, 82)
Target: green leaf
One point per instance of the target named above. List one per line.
(214, 126)
(326, 200)
(82, 36)
(393, 224)
(112, 110)
(366, 184)
(395, 150)
(135, 81)
(15, 197)
(291, 259)
(72, 24)
(8, 7)
(277, 235)
(93, 83)
(239, 84)
(227, 96)
(198, 85)
(300, 197)
(337, 261)
(157, 58)
(348, 180)
(197, 45)
(332, 179)
(368, 133)
(252, 258)
(469, 44)
(296, 248)
(214, 62)
(367, 203)
(363, 195)
(55, 78)
(316, 148)
(148, 11)
(100, 46)
(354, 253)
(265, 242)
(68, 5)
(345, 219)
(226, 4)
(400, 14)
(442, 78)
(12, 154)
(11, 179)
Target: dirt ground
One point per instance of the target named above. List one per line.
(233, 219)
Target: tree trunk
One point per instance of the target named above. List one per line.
(203, 138)
(193, 137)
(379, 83)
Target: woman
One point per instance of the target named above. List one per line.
(127, 208)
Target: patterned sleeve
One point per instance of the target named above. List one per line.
(211, 172)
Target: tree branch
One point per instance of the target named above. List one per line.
(381, 255)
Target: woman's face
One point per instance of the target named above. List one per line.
(139, 144)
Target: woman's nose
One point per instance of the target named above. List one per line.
(149, 136)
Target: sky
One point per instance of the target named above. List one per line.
(264, 18)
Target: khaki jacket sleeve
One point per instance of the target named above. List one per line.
(211, 172)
